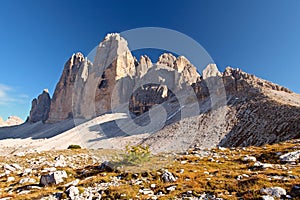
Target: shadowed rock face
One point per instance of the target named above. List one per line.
(40, 108)
(61, 103)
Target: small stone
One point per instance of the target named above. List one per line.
(33, 187)
(245, 175)
(24, 192)
(49, 169)
(267, 197)
(263, 165)
(60, 161)
(20, 154)
(273, 191)
(27, 171)
(290, 157)
(249, 159)
(72, 192)
(9, 167)
(171, 188)
(10, 179)
(222, 148)
(146, 191)
(168, 177)
(295, 191)
(16, 166)
(74, 183)
(27, 180)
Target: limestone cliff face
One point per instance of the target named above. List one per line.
(187, 72)
(40, 108)
(88, 89)
(117, 79)
(61, 103)
(161, 82)
(110, 79)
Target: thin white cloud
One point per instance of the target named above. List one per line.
(6, 95)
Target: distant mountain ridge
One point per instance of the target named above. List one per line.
(11, 121)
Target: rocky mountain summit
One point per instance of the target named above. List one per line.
(11, 121)
(112, 98)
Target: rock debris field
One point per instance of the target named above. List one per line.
(267, 172)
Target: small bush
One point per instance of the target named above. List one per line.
(74, 146)
(135, 155)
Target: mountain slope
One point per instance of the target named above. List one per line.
(256, 112)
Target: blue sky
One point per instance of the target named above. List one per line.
(37, 37)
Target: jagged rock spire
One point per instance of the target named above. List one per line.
(40, 107)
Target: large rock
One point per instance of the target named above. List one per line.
(40, 107)
(53, 178)
(290, 157)
(274, 191)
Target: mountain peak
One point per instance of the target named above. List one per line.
(46, 90)
(167, 59)
(40, 107)
(211, 71)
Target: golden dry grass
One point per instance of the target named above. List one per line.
(199, 175)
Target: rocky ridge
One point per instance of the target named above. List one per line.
(230, 108)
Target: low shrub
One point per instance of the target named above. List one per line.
(74, 146)
(135, 155)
